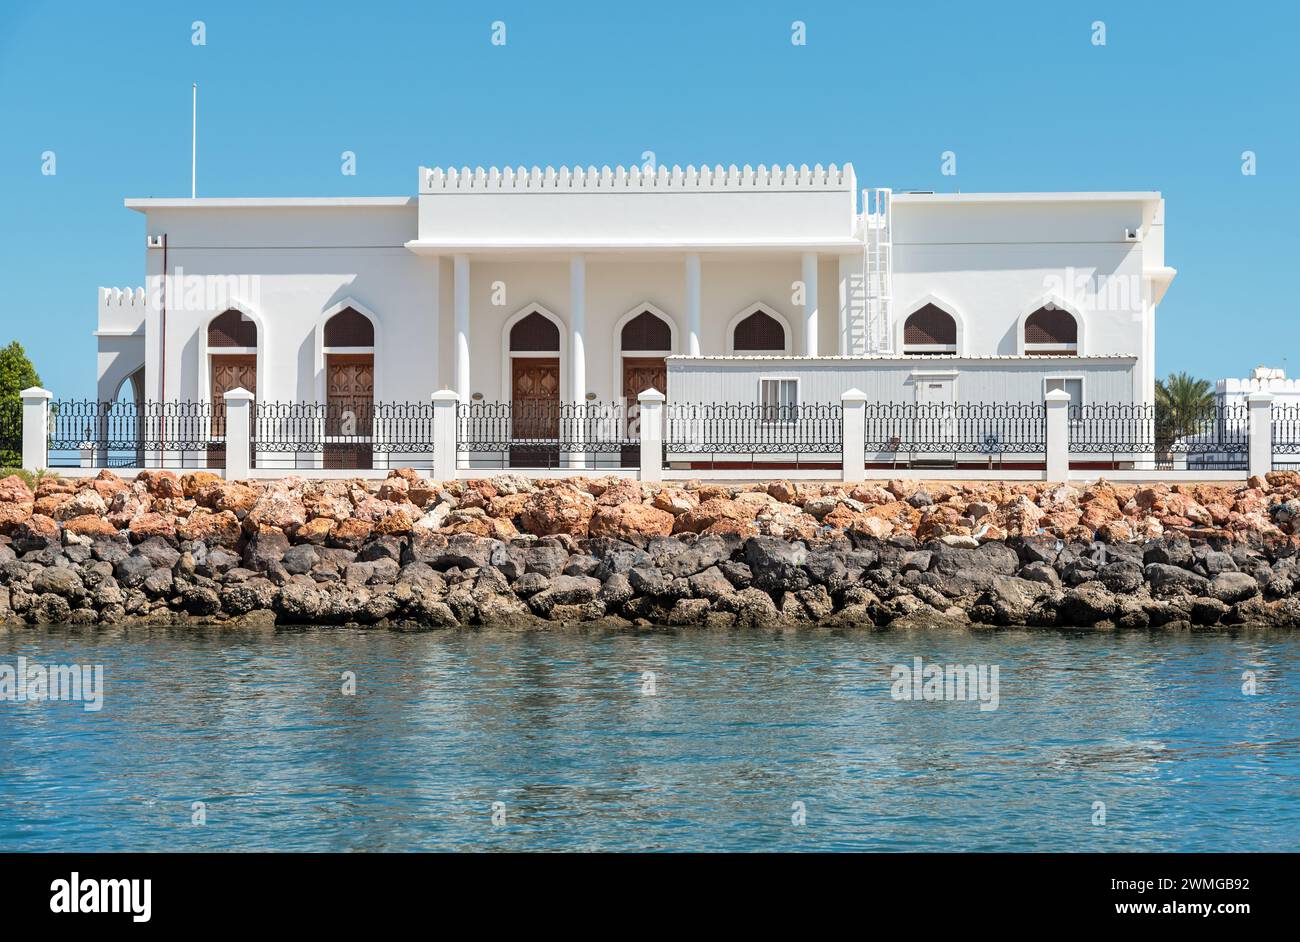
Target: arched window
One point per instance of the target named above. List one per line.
(930, 330)
(535, 334)
(759, 333)
(349, 328)
(1051, 331)
(646, 331)
(232, 329)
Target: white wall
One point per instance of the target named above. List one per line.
(285, 268)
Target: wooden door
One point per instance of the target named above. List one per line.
(227, 372)
(639, 374)
(349, 410)
(535, 412)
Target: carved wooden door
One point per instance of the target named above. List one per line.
(639, 374)
(228, 372)
(535, 411)
(349, 411)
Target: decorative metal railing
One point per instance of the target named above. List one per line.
(754, 434)
(1212, 437)
(87, 433)
(547, 434)
(906, 433)
(342, 435)
(1286, 436)
(11, 433)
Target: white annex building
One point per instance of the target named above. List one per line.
(712, 284)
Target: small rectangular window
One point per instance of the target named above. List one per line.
(779, 399)
(1074, 387)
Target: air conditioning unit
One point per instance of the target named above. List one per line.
(154, 241)
(1130, 235)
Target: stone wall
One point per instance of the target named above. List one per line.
(513, 552)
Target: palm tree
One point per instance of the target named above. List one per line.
(1183, 404)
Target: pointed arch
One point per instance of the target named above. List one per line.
(204, 374)
(621, 353)
(759, 307)
(938, 305)
(1050, 303)
(507, 354)
(320, 346)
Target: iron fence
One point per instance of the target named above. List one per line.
(730, 434)
(1162, 437)
(89, 433)
(349, 435)
(1286, 436)
(923, 434)
(545, 434)
(11, 433)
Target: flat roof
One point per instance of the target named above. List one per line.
(282, 202)
(1100, 196)
(936, 360)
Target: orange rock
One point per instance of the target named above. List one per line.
(279, 506)
(152, 524)
(621, 492)
(675, 500)
(901, 516)
(350, 534)
(394, 523)
(557, 510)
(91, 525)
(712, 511)
(630, 519)
(14, 490)
(315, 531)
(215, 529)
(48, 505)
(193, 482)
(506, 506)
(37, 527)
(235, 496)
(161, 483)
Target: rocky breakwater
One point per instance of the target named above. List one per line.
(511, 552)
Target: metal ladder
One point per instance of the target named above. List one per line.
(877, 272)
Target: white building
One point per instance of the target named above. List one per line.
(579, 285)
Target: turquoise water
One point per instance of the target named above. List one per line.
(559, 729)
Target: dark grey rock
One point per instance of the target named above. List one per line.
(777, 564)
(298, 560)
(1232, 587)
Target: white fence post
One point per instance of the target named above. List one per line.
(1260, 429)
(36, 428)
(445, 441)
(1058, 435)
(853, 447)
(651, 424)
(239, 434)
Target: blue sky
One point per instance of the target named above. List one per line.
(1017, 90)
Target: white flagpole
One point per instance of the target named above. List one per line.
(194, 141)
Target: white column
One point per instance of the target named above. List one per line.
(853, 447)
(444, 435)
(810, 304)
(1058, 435)
(692, 305)
(36, 427)
(577, 329)
(577, 355)
(1260, 405)
(239, 420)
(460, 304)
(652, 434)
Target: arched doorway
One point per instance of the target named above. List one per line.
(232, 354)
(349, 348)
(645, 341)
(535, 392)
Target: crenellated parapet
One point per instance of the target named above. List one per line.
(122, 310)
(437, 180)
